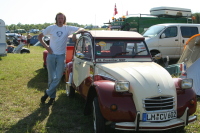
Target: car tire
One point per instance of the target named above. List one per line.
(180, 129)
(98, 119)
(70, 91)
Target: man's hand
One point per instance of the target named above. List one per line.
(74, 37)
(40, 36)
(49, 50)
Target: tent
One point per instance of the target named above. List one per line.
(191, 58)
(191, 51)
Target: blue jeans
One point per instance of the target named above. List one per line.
(55, 67)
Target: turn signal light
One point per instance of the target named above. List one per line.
(113, 107)
(192, 102)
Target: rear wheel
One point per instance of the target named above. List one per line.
(98, 120)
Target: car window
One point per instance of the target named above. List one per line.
(170, 32)
(119, 48)
(188, 32)
(84, 48)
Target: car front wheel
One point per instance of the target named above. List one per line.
(98, 120)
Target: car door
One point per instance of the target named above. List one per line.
(82, 61)
(169, 43)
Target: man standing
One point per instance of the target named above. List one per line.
(28, 40)
(56, 53)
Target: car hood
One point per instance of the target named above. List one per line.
(147, 79)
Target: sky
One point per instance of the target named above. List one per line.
(86, 12)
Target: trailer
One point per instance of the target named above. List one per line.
(158, 15)
(3, 44)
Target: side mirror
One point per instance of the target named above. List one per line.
(162, 35)
(80, 55)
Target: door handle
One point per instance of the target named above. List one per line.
(183, 41)
(79, 63)
(176, 39)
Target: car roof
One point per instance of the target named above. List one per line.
(180, 24)
(106, 34)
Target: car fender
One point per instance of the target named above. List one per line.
(107, 97)
(185, 98)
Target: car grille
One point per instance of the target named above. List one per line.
(158, 103)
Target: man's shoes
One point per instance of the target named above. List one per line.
(44, 98)
(51, 101)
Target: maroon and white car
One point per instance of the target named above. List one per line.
(124, 88)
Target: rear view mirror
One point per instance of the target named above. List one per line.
(80, 55)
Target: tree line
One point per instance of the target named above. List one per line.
(197, 18)
(27, 27)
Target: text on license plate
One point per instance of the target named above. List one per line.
(159, 116)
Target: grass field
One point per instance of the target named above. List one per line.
(22, 83)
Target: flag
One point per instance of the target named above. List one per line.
(115, 10)
(126, 13)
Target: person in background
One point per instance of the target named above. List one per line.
(59, 33)
(19, 38)
(28, 40)
(24, 39)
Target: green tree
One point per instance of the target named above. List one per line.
(197, 17)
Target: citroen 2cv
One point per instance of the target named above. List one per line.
(124, 88)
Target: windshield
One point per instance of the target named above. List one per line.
(119, 49)
(153, 31)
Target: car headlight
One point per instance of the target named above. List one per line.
(186, 83)
(121, 86)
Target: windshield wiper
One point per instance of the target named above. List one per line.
(119, 54)
(139, 52)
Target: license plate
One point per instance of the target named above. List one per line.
(163, 116)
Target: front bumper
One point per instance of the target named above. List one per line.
(156, 126)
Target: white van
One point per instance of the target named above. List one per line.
(169, 39)
(3, 44)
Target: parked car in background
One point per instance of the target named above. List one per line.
(19, 31)
(91, 27)
(126, 90)
(169, 39)
(12, 34)
(34, 31)
(104, 26)
(34, 40)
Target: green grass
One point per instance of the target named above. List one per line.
(22, 83)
